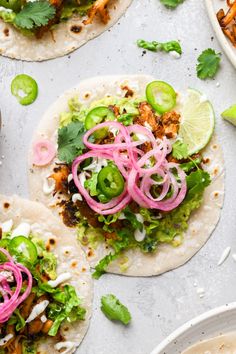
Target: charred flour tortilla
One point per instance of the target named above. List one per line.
(225, 344)
(63, 39)
(70, 258)
(202, 221)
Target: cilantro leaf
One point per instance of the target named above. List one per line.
(208, 64)
(172, 46)
(171, 3)
(70, 141)
(35, 14)
(180, 150)
(196, 182)
(114, 310)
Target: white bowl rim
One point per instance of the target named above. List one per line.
(197, 320)
(225, 43)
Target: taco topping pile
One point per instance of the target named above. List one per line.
(40, 16)
(33, 301)
(130, 174)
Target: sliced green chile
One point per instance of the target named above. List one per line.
(21, 246)
(161, 96)
(110, 181)
(25, 89)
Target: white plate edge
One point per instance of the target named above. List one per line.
(197, 320)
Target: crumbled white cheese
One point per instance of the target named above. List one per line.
(7, 225)
(22, 229)
(43, 319)
(48, 185)
(4, 340)
(141, 137)
(5, 10)
(67, 345)
(114, 131)
(147, 125)
(69, 178)
(138, 234)
(60, 279)
(174, 54)
(224, 255)
(76, 197)
(96, 165)
(122, 216)
(37, 309)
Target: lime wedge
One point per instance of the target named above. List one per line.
(230, 114)
(197, 121)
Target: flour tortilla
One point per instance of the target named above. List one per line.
(202, 222)
(70, 258)
(61, 40)
(225, 344)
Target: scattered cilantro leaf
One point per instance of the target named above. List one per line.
(196, 182)
(70, 141)
(171, 3)
(208, 64)
(179, 150)
(35, 14)
(172, 46)
(114, 310)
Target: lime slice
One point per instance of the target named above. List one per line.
(230, 114)
(197, 121)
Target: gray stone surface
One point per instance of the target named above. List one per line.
(159, 304)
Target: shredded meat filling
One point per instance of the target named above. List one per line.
(228, 21)
(166, 125)
(99, 7)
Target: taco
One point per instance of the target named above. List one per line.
(40, 30)
(45, 282)
(111, 156)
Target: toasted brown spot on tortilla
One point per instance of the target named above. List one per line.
(52, 241)
(74, 264)
(48, 247)
(90, 253)
(215, 172)
(216, 194)
(214, 147)
(76, 29)
(83, 269)
(6, 31)
(6, 205)
(66, 329)
(87, 95)
(207, 160)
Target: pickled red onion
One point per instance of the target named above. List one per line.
(44, 152)
(133, 164)
(12, 298)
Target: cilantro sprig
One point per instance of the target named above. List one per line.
(171, 3)
(180, 150)
(208, 64)
(70, 141)
(35, 14)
